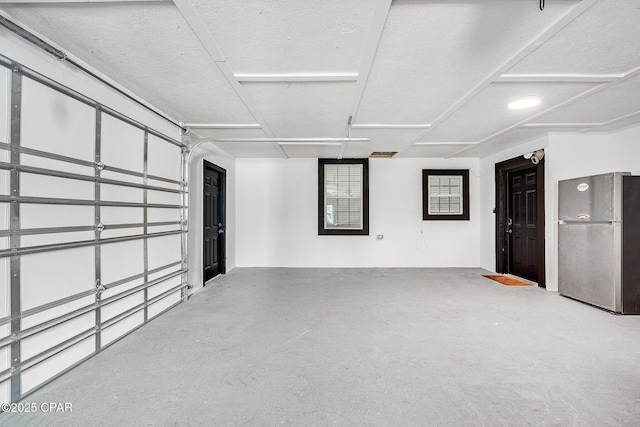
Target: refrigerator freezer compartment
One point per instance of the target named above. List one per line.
(587, 263)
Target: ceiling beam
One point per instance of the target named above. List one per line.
(297, 77)
(558, 78)
(631, 119)
(283, 141)
(193, 19)
(445, 143)
(559, 125)
(369, 52)
(223, 126)
(388, 126)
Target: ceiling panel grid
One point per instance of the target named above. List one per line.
(407, 71)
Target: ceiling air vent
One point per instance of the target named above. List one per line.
(382, 154)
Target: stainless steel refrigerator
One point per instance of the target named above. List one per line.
(599, 241)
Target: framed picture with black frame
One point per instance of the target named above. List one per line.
(445, 194)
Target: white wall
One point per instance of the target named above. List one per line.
(277, 213)
(222, 159)
(566, 156)
(626, 149)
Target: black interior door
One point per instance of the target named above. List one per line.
(522, 223)
(213, 221)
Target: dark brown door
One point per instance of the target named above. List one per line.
(213, 221)
(522, 223)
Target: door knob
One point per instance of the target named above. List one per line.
(220, 231)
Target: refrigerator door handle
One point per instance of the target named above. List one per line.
(565, 221)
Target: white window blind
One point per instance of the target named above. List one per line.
(445, 195)
(343, 196)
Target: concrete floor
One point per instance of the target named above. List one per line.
(378, 347)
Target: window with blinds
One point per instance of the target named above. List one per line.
(445, 194)
(343, 196)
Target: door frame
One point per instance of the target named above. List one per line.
(503, 169)
(222, 238)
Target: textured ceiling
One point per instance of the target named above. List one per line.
(425, 78)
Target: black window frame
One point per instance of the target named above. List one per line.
(364, 231)
(426, 173)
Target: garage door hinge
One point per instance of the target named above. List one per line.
(99, 287)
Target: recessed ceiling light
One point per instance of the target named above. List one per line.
(526, 102)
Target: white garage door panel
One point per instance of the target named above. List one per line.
(50, 276)
(163, 304)
(5, 90)
(52, 313)
(163, 184)
(56, 165)
(164, 286)
(32, 185)
(119, 232)
(120, 306)
(4, 281)
(122, 260)
(56, 238)
(4, 181)
(163, 228)
(51, 337)
(45, 216)
(4, 359)
(4, 216)
(43, 371)
(164, 272)
(112, 215)
(122, 145)
(163, 158)
(4, 392)
(163, 215)
(122, 327)
(56, 123)
(163, 251)
(119, 193)
(118, 289)
(124, 177)
(163, 198)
